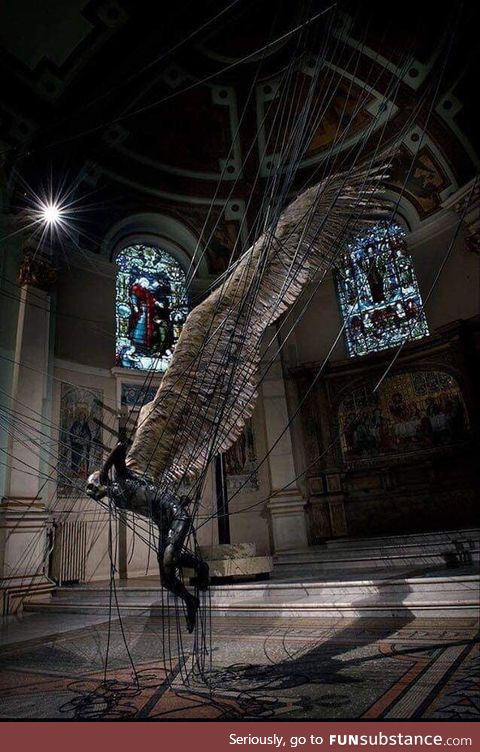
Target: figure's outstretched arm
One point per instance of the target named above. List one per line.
(115, 459)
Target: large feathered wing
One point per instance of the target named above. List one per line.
(210, 387)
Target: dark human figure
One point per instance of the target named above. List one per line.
(398, 407)
(163, 334)
(80, 441)
(456, 422)
(411, 309)
(125, 357)
(170, 514)
(374, 276)
(432, 409)
(378, 321)
(404, 270)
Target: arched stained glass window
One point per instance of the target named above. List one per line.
(378, 292)
(151, 307)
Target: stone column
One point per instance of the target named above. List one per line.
(23, 518)
(286, 505)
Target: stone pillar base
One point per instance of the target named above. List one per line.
(16, 591)
(289, 529)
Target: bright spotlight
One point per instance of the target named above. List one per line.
(51, 214)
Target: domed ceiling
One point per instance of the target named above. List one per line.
(190, 117)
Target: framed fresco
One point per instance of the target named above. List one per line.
(411, 412)
(241, 463)
(80, 450)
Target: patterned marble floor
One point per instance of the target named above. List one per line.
(312, 669)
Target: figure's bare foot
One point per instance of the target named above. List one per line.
(192, 605)
(203, 576)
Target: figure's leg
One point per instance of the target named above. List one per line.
(75, 461)
(173, 557)
(193, 561)
(174, 585)
(189, 558)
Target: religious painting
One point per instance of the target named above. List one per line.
(151, 307)
(378, 292)
(346, 110)
(409, 413)
(424, 180)
(80, 450)
(241, 463)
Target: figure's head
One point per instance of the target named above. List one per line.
(81, 412)
(96, 489)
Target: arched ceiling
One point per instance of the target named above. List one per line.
(92, 90)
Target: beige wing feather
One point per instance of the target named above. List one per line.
(210, 387)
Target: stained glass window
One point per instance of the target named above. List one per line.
(151, 307)
(378, 291)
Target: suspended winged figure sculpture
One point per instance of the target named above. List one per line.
(210, 387)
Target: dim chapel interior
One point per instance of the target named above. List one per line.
(358, 463)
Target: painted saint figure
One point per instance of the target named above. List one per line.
(149, 327)
(141, 327)
(80, 443)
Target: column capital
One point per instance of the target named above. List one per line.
(36, 271)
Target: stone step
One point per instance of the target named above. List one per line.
(442, 595)
(385, 609)
(369, 561)
(440, 582)
(383, 553)
(449, 536)
(431, 546)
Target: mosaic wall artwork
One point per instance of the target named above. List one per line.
(241, 463)
(80, 450)
(410, 412)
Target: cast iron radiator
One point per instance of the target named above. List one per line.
(69, 556)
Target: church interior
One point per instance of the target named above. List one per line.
(328, 423)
